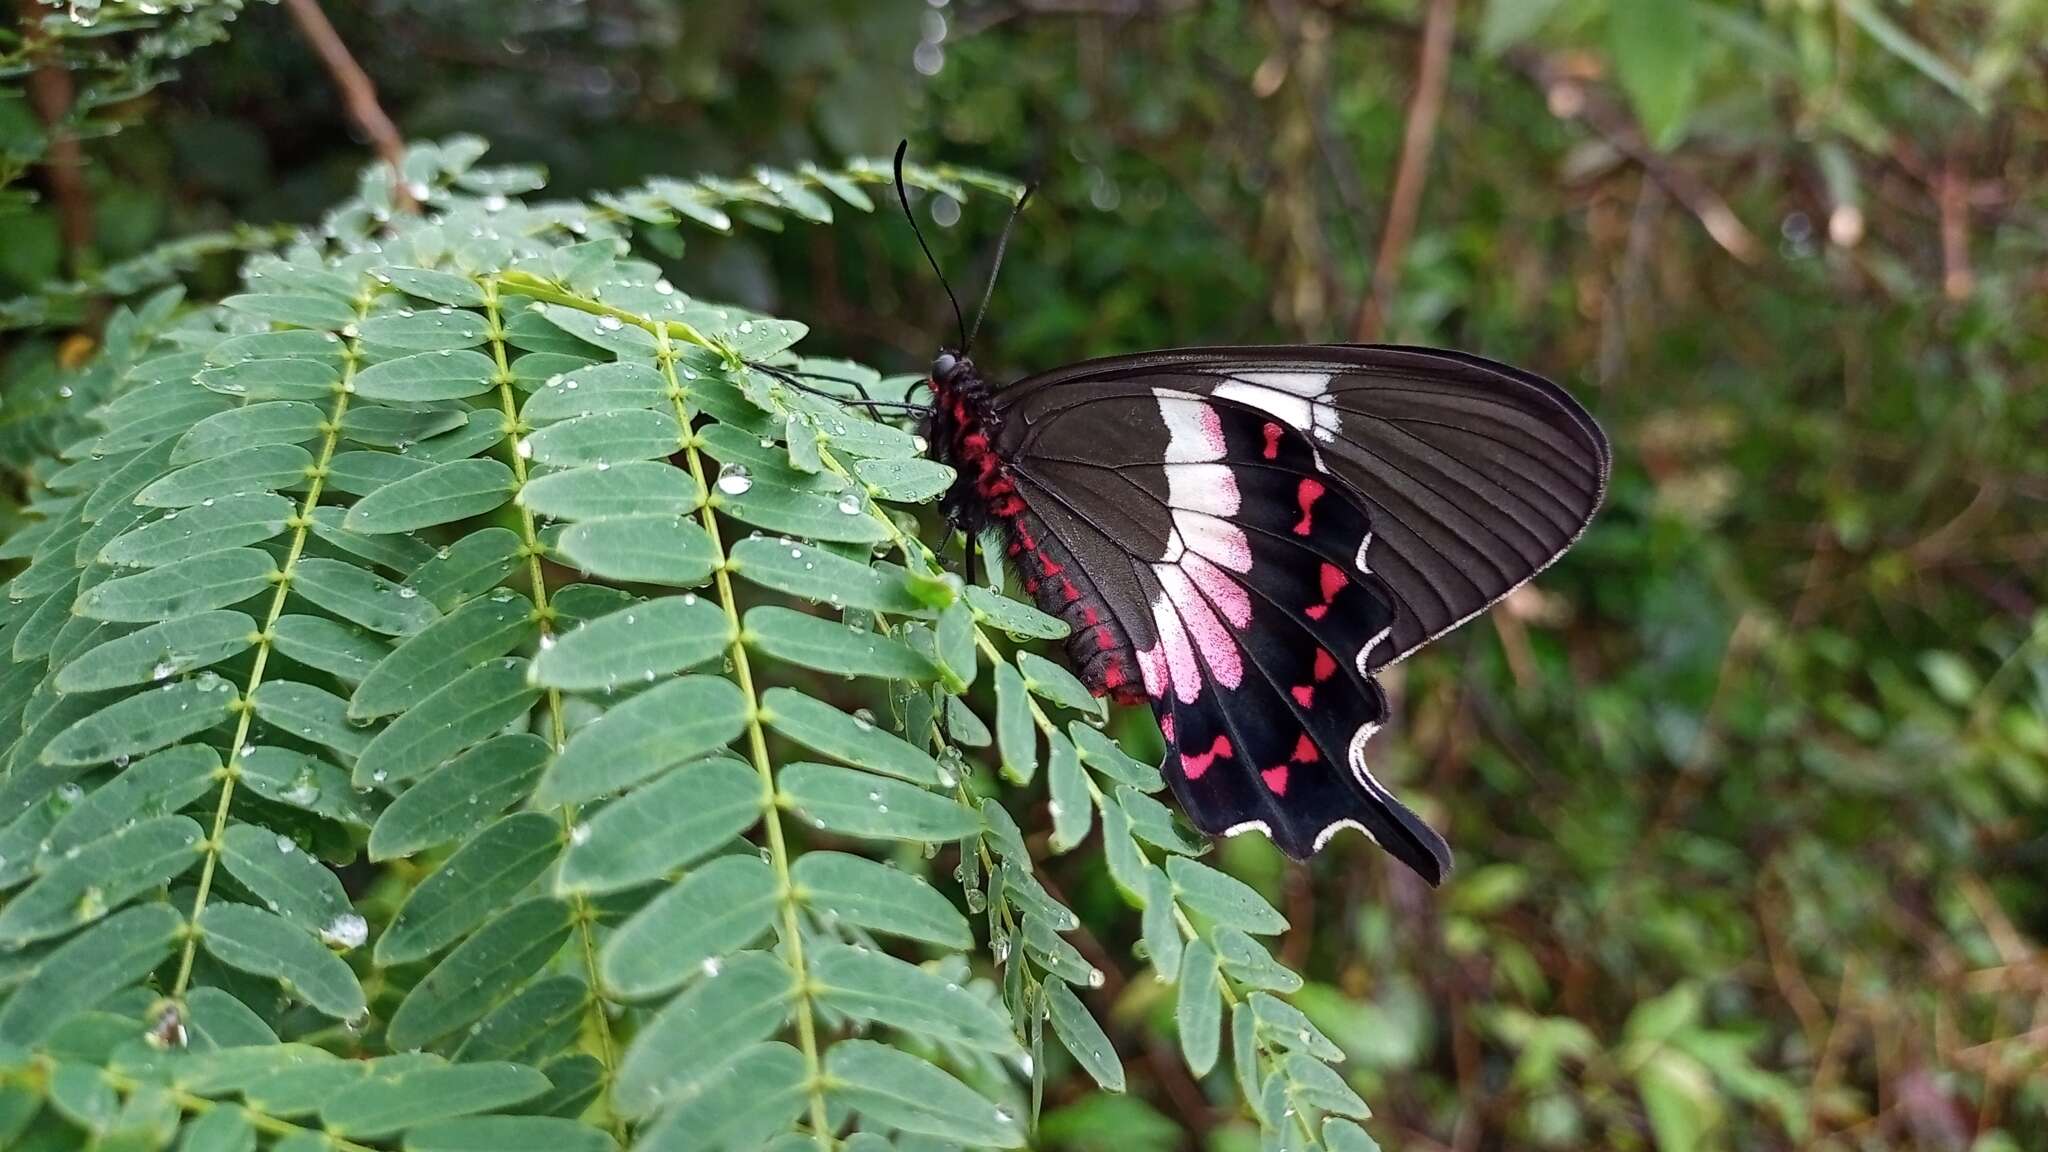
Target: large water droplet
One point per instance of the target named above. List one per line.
(734, 479)
(849, 503)
(345, 931)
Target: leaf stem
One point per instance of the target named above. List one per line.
(529, 536)
(245, 706)
(757, 747)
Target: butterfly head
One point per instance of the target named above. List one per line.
(950, 369)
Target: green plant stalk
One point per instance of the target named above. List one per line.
(757, 747)
(36, 1073)
(301, 525)
(529, 535)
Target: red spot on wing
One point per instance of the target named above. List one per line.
(1272, 441)
(1196, 763)
(1305, 750)
(1326, 664)
(1304, 695)
(1310, 491)
(1333, 582)
(1276, 779)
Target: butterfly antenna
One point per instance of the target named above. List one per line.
(903, 197)
(1001, 244)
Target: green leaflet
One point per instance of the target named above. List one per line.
(668, 549)
(633, 488)
(159, 652)
(742, 1104)
(485, 874)
(823, 577)
(382, 1106)
(604, 438)
(456, 490)
(719, 908)
(290, 883)
(543, 1018)
(427, 376)
(1081, 1036)
(461, 796)
(477, 631)
(665, 726)
(262, 468)
(698, 1033)
(181, 534)
(361, 597)
(877, 987)
(266, 945)
(87, 882)
(669, 824)
(270, 422)
(467, 982)
(637, 644)
(829, 646)
(144, 722)
(854, 803)
(901, 1091)
(855, 739)
(879, 898)
(210, 580)
(1198, 1009)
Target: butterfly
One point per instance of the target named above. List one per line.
(1242, 538)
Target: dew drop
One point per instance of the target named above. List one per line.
(609, 323)
(407, 593)
(579, 834)
(285, 844)
(345, 931)
(734, 479)
(863, 719)
(849, 503)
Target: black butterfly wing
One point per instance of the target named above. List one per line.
(1474, 475)
(1233, 570)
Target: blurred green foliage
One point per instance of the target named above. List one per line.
(1748, 792)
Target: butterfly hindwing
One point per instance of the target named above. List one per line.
(1234, 568)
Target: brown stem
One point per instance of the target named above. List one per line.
(51, 93)
(358, 93)
(1425, 107)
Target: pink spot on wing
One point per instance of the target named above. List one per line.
(1166, 728)
(1227, 594)
(1152, 667)
(1304, 694)
(1308, 493)
(1196, 763)
(1272, 440)
(1180, 655)
(1205, 630)
(1326, 665)
(1276, 779)
(1317, 611)
(1305, 750)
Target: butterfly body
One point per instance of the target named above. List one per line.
(1242, 537)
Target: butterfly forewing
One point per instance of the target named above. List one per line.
(1241, 537)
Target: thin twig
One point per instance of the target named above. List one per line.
(1404, 205)
(1571, 98)
(51, 93)
(358, 93)
(1952, 196)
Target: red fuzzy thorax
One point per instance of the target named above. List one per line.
(962, 432)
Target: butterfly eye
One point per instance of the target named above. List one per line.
(944, 365)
